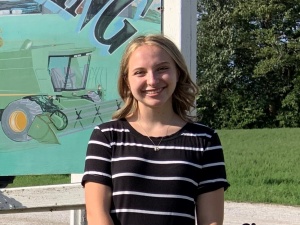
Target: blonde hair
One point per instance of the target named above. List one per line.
(186, 90)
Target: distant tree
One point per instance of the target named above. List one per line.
(249, 63)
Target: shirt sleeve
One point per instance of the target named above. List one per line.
(98, 159)
(213, 175)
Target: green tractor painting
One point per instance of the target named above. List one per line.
(43, 93)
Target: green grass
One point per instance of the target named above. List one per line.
(262, 166)
(25, 181)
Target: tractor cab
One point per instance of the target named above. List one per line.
(69, 72)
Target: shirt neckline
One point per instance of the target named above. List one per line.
(127, 125)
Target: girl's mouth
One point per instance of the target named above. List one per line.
(154, 91)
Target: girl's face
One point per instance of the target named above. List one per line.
(152, 76)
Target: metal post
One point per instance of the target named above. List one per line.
(180, 25)
(77, 217)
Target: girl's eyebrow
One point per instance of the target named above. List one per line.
(166, 62)
(138, 68)
(157, 65)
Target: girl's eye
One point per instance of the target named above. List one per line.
(163, 68)
(139, 72)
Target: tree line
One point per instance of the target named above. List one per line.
(248, 63)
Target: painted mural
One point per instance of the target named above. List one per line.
(58, 76)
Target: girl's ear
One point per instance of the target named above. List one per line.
(128, 85)
(126, 81)
(178, 74)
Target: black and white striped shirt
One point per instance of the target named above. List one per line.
(155, 187)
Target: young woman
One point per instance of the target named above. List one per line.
(152, 165)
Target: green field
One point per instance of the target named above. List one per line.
(262, 166)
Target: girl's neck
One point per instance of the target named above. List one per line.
(156, 123)
(155, 115)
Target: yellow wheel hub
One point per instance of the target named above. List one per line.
(18, 121)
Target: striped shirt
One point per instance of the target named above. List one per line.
(155, 187)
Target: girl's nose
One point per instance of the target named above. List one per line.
(152, 78)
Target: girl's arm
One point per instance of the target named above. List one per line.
(210, 208)
(98, 200)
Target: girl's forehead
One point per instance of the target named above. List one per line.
(149, 51)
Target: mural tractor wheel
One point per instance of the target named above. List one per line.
(17, 118)
(59, 119)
